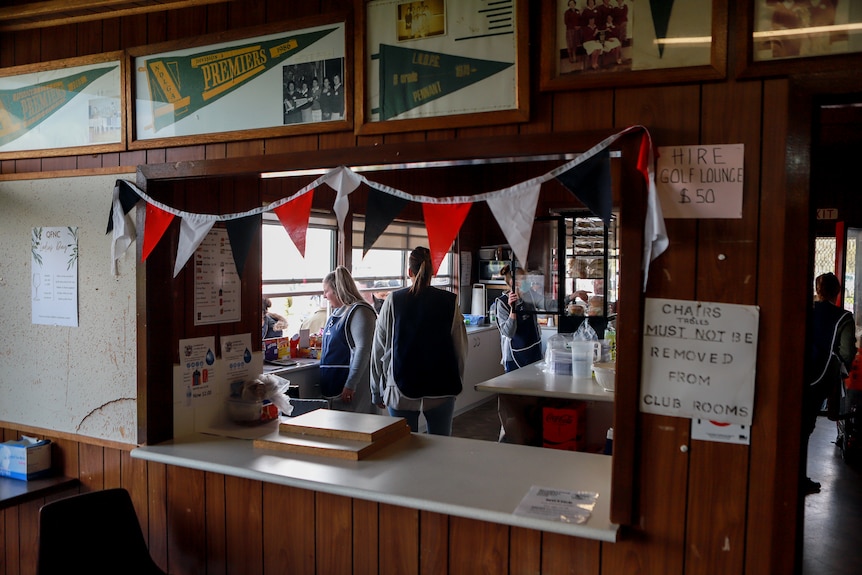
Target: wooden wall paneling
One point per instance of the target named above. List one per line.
(288, 530)
(584, 110)
(435, 545)
(7, 55)
(246, 14)
(499, 131)
(88, 161)
(186, 22)
(477, 546)
(133, 158)
(245, 149)
(59, 163)
(28, 535)
(715, 537)
(12, 552)
(112, 467)
(134, 479)
(656, 543)
(30, 165)
(133, 31)
(564, 554)
(5, 549)
(336, 140)
(215, 151)
(64, 457)
(366, 540)
(398, 530)
(287, 144)
(186, 520)
(27, 47)
(244, 521)
(59, 42)
(156, 528)
(333, 543)
(775, 434)
(525, 550)
(216, 527)
(185, 154)
(92, 462)
(157, 27)
(727, 272)
(217, 18)
(89, 38)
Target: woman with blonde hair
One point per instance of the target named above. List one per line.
(420, 346)
(346, 345)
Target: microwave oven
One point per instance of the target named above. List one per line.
(489, 272)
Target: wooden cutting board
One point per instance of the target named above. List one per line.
(339, 434)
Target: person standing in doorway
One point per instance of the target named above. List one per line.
(831, 349)
(420, 348)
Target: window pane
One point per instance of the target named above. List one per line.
(281, 259)
(378, 264)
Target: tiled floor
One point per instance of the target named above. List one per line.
(833, 517)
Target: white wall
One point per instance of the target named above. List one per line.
(81, 379)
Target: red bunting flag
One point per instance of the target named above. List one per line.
(443, 222)
(155, 225)
(294, 217)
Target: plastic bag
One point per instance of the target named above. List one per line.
(267, 386)
(585, 332)
(558, 354)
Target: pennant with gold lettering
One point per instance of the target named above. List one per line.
(24, 108)
(443, 222)
(293, 216)
(181, 85)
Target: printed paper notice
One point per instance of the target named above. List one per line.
(217, 285)
(197, 361)
(700, 181)
(54, 276)
(236, 357)
(699, 360)
(557, 504)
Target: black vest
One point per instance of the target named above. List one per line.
(824, 339)
(527, 340)
(424, 363)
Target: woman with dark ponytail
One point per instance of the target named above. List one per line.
(420, 346)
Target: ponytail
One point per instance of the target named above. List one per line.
(419, 263)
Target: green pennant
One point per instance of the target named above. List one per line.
(410, 78)
(182, 85)
(24, 108)
(661, 10)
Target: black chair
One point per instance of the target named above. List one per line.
(95, 533)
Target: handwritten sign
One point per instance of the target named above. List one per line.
(699, 360)
(700, 181)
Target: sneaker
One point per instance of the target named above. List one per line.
(809, 486)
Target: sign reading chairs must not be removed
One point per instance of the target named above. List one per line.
(699, 360)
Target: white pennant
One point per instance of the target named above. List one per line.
(515, 214)
(344, 181)
(655, 233)
(123, 232)
(193, 230)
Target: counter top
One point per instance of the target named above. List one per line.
(461, 477)
(532, 380)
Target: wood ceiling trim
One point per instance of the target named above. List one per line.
(61, 12)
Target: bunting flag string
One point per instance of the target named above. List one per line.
(587, 177)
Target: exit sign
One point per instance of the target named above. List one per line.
(827, 214)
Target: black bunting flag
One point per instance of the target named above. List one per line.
(382, 209)
(590, 182)
(241, 232)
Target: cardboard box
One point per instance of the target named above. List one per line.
(564, 427)
(27, 458)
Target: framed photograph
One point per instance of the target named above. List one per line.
(436, 64)
(64, 107)
(783, 36)
(598, 43)
(265, 82)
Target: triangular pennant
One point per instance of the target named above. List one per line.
(515, 214)
(193, 230)
(431, 75)
(344, 181)
(180, 85)
(128, 199)
(241, 232)
(122, 226)
(156, 222)
(380, 210)
(294, 218)
(443, 222)
(655, 233)
(660, 19)
(590, 182)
